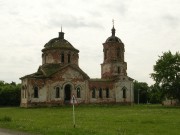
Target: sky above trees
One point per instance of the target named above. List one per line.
(146, 27)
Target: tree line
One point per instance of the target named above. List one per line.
(147, 94)
(10, 94)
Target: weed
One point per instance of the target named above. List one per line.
(6, 119)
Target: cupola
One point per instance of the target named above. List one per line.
(113, 38)
(59, 51)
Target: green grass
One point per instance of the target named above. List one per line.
(94, 120)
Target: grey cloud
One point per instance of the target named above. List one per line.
(121, 7)
(95, 14)
(13, 12)
(72, 21)
(171, 20)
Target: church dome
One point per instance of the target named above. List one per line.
(113, 38)
(59, 43)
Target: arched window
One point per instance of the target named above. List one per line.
(93, 93)
(69, 58)
(62, 57)
(78, 92)
(25, 93)
(124, 92)
(118, 68)
(105, 54)
(57, 92)
(36, 94)
(107, 92)
(45, 58)
(118, 52)
(100, 93)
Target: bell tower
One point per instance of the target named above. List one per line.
(113, 65)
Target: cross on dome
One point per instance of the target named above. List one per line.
(113, 29)
(113, 22)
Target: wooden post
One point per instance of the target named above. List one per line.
(74, 117)
(73, 102)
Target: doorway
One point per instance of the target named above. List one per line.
(67, 93)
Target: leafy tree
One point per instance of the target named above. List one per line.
(1, 83)
(155, 94)
(141, 88)
(9, 94)
(167, 74)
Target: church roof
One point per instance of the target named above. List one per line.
(46, 71)
(113, 38)
(60, 43)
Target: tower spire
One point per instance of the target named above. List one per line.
(113, 22)
(61, 34)
(113, 29)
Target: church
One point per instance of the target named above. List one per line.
(60, 77)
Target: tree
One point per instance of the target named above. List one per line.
(155, 94)
(10, 94)
(141, 90)
(167, 74)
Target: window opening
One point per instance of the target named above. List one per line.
(107, 92)
(78, 93)
(69, 58)
(118, 70)
(100, 93)
(93, 93)
(36, 94)
(124, 92)
(62, 57)
(57, 92)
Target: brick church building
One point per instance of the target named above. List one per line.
(59, 77)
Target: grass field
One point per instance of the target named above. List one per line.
(94, 120)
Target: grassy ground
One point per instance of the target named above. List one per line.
(94, 120)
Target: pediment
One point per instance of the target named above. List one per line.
(70, 73)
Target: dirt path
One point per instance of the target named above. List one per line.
(10, 132)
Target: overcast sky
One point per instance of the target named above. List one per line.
(146, 27)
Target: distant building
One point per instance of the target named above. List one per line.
(59, 77)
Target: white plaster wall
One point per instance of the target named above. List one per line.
(52, 91)
(103, 99)
(49, 58)
(23, 97)
(106, 68)
(41, 93)
(73, 78)
(119, 92)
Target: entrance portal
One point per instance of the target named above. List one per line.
(67, 93)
